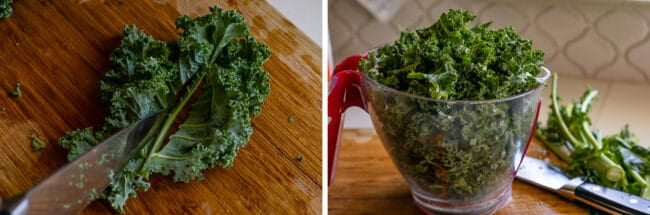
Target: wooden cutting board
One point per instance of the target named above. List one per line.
(59, 50)
(367, 182)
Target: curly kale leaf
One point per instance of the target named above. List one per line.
(215, 60)
(451, 61)
(78, 142)
(218, 124)
(125, 184)
(214, 130)
(138, 85)
(5, 8)
(204, 38)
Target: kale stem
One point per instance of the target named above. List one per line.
(645, 192)
(605, 166)
(585, 125)
(635, 175)
(559, 148)
(151, 133)
(169, 157)
(191, 89)
(556, 111)
(587, 100)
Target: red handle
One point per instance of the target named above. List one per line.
(344, 92)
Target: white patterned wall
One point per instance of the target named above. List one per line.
(607, 40)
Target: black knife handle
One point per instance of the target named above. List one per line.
(615, 200)
(15, 206)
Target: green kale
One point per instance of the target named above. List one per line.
(450, 61)
(78, 142)
(17, 92)
(37, 143)
(615, 161)
(457, 150)
(217, 62)
(5, 8)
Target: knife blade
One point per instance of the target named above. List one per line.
(552, 178)
(75, 185)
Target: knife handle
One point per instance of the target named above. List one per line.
(614, 200)
(15, 206)
(344, 92)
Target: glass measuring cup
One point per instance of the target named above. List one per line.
(440, 146)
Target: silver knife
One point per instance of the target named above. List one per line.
(550, 177)
(75, 185)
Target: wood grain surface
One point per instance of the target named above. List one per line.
(367, 182)
(59, 50)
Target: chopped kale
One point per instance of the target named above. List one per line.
(454, 150)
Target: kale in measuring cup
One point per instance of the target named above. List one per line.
(455, 150)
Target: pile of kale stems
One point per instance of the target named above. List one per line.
(616, 161)
(215, 67)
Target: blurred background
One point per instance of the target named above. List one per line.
(589, 43)
(308, 19)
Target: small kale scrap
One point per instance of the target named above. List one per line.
(456, 150)
(215, 67)
(616, 161)
(5, 8)
(37, 143)
(17, 92)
